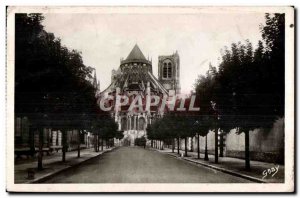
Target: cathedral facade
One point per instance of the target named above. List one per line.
(133, 78)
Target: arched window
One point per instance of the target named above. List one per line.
(124, 124)
(141, 124)
(167, 69)
(132, 123)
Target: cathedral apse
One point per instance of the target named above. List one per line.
(134, 80)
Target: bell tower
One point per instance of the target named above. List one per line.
(169, 72)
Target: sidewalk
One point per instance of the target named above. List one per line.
(53, 165)
(234, 166)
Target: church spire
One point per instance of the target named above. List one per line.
(136, 54)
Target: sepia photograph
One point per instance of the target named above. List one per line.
(150, 99)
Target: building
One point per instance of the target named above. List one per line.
(133, 78)
(169, 72)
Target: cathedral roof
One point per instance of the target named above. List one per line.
(137, 80)
(136, 54)
(134, 77)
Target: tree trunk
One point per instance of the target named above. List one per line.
(247, 150)
(98, 142)
(78, 149)
(206, 152)
(192, 145)
(221, 145)
(185, 147)
(40, 156)
(102, 142)
(151, 143)
(31, 141)
(95, 142)
(64, 142)
(173, 145)
(216, 146)
(178, 146)
(198, 146)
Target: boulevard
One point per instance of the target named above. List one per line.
(139, 165)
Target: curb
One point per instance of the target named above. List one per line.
(52, 174)
(250, 178)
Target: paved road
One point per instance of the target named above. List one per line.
(134, 165)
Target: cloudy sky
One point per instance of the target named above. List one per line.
(105, 38)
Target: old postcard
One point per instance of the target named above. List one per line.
(150, 99)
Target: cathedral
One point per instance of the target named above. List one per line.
(134, 77)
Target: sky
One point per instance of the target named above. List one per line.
(105, 38)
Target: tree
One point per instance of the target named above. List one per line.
(119, 135)
(237, 83)
(52, 85)
(28, 29)
(202, 126)
(273, 33)
(181, 122)
(248, 97)
(108, 128)
(140, 141)
(205, 89)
